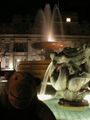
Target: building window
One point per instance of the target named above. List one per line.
(7, 31)
(82, 31)
(38, 39)
(15, 63)
(20, 47)
(7, 62)
(2, 39)
(68, 29)
(7, 47)
(24, 21)
(68, 19)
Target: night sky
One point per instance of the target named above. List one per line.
(9, 8)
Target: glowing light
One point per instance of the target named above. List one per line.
(11, 66)
(3, 81)
(44, 97)
(50, 38)
(68, 19)
(18, 60)
(61, 45)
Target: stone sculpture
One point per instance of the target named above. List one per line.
(72, 77)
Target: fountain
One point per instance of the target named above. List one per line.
(45, 20)
(68, 66)
(72, 78)
(50, 25)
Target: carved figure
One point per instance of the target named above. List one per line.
(72, 77)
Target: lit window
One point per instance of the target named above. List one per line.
(7, 62)
(68, 19)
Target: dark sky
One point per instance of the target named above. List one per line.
(9, 8)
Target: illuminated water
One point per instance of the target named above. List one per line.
(45, 79)
(47, 22)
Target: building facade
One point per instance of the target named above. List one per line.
(17, 37)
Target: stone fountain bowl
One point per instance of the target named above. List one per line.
(49, 45)
(36, 68)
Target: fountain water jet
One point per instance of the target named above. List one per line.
(45, 79)
(50, 24)
(56, 12)
(47, 20)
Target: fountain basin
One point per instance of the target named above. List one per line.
(49, 45)
(36, 68)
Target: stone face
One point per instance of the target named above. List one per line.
(18, 99)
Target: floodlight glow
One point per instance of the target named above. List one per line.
(44, 97)
(18, 60)
(3, 81)
(68, 19)
(11, 66)
(61, 45)
(50, 38)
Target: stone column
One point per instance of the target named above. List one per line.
(11, 57)
(2, 62)
(11, 61)
(29, 49)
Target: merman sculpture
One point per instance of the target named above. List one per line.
(72, 77)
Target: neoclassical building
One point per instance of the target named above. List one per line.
(20, 40)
